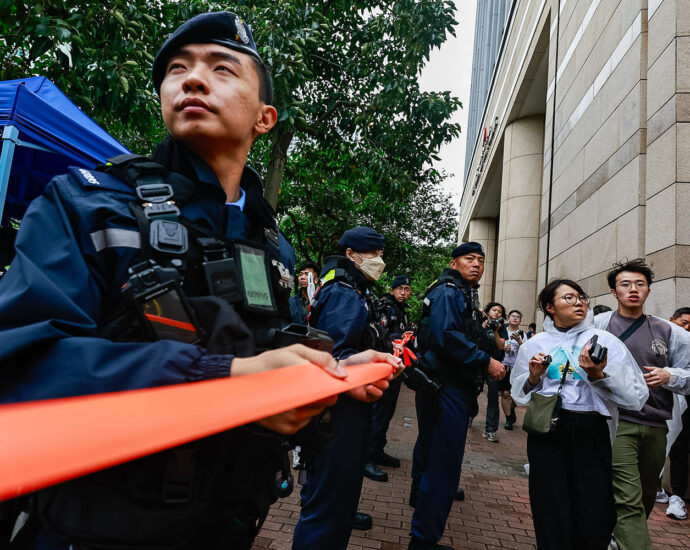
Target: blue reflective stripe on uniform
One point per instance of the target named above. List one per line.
(112, 237)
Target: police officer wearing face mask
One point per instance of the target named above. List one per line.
(344, 308)
(78, 317)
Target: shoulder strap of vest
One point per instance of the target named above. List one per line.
(133, 169)
(156, 211)
(442, 280)
(337, 274)
(337, 269)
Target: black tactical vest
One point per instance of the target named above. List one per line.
(472, 319)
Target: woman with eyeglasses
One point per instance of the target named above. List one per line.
(570, 484)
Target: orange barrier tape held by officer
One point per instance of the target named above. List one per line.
(48, 442)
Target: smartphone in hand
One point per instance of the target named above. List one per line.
(597, 352)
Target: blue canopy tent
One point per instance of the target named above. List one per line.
(43, 133)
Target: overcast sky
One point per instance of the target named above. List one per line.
(450, 68)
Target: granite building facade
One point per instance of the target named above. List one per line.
(579, 150)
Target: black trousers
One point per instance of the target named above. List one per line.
(381, 416)
(678, 456)
(570, 484)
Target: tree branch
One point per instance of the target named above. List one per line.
(336, 105)
(300, 241)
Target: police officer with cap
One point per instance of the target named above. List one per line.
(344, 308)
(392, 313)
(451, 339)
(191, 223)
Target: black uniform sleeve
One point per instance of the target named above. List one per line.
(50, 301)
(343, 316)
(446, 330)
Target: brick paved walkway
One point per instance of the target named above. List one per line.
(496, 511)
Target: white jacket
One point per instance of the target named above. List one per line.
(623, 386)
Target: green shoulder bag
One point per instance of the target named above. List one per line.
(542, 414)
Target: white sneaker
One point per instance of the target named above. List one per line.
(295, 456)
(676, 508)
(661, 497)
(613, 545)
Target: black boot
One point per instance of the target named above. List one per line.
(460, 494)
(372, 471)
(362, 522)
(384, 459)
(418, 544)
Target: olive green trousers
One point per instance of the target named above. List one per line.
(639, 453)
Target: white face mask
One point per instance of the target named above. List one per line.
(372, 268)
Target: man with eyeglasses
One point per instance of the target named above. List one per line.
(662, 351)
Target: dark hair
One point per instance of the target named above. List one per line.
(494, 304)
(310, 265)
(532, 325)
(306, 265)
(601, 308)
(548, 293)
(681, 311)
(638, 265)
(265, 80)
(515, 311)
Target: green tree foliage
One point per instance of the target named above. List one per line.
(98, 53)
(348, 73)
(325, 194)
(361, 135)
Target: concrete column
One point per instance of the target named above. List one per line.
(483, 231)
(667, 232)
(518, 230)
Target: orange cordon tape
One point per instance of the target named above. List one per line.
(399, 346)
(47, 442)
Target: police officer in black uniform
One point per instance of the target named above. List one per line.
(344, 308)
(452, 340)
(393, 316)
(154, 273)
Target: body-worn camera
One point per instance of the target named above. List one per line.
(597, 352)
(156, 293)
(493, 324)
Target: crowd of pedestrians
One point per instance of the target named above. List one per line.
(600, 495)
